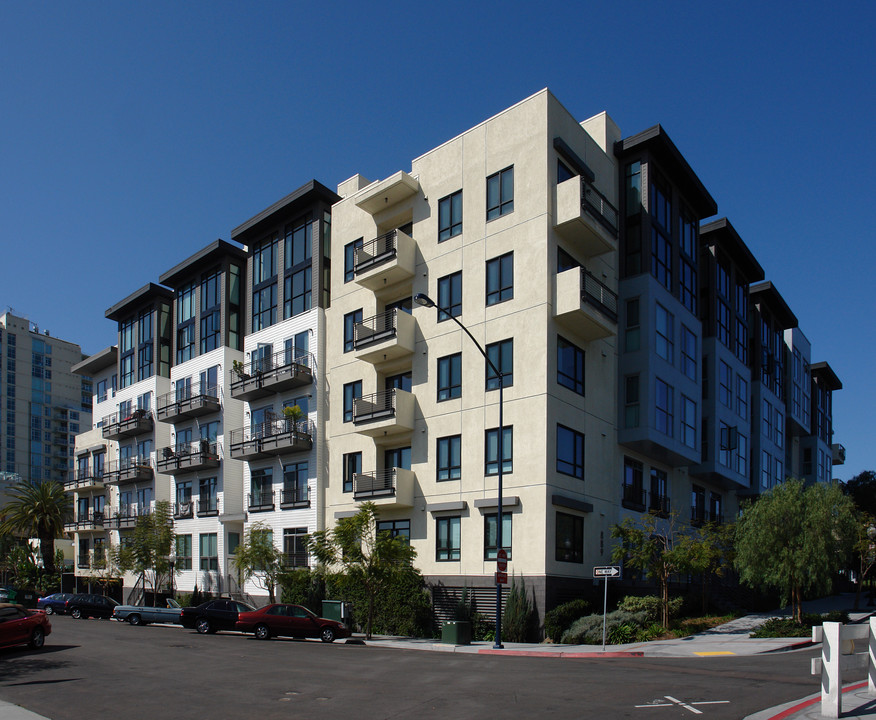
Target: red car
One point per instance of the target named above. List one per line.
(23, 627)
(291, 621)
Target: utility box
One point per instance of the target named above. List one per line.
(456, 632)
(334, 610)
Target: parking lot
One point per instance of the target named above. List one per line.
(107, 669)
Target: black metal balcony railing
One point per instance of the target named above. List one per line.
(375, 407)
(283, 370)
(658, 504)
(116, 425)
(183, 510)
(295, 560)
(128, 469)
(260, 501)
(295, 497)
(87, 521)
(700, 515)
(272, 437)
(188, 400)
(596, 293)
(208, 506)
(598, 205)
(375, 252)
(380, 483)
(127, 515)
(375, 329)
(84, 478)
(634, 497)
(188, 457)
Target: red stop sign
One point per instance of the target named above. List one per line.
(502, 560)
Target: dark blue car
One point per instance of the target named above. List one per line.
(56, 603)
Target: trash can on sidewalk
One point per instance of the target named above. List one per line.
(456, 632)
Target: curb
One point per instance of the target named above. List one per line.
(799, 707)
(573, 655)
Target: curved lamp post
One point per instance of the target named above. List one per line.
(425, 301)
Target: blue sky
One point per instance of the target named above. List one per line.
(131, 135)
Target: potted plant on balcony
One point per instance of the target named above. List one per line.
(238, 369)
(293, 414)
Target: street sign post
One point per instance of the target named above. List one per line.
(607, 572)
(502, 560)
(501, 578)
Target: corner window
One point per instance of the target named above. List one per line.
(570, 452)
(491, 539)
(448, 541)
(500, 193)
(500, 279)
(450, 216)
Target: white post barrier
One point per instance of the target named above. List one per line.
(837, 655)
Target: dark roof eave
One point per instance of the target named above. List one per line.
(723, 233)
(308, 193)
(823, 370)
(138, 297)
(93, 364)
(195, 264)
(776, 303)
(656, 140)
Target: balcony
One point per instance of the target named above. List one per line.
(699, 516)
(384, 337)
(127, 516)
(273, 374)
(385, 413)
(115, 427)
(183, 510)
(260, 501)
(133, 469)
(295, 497)
(838, 453)
(208, 506)
(272, 437)
(585, 305)
(384, 194)
(189, 457)
(295, 560)
(85, 480)
(92, 521)
(659, 505)
(586, 218)
(188, 401)
(385, 260)
(392, 486)
(634, 498)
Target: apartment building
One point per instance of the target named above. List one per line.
(44, 405)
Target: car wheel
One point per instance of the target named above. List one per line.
(37, 638)
(135, 619)
(203, 626)
(327, 635)
(76, 613)
(263, 632)
(49, 610)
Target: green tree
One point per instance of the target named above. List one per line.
(710, 554)
(656, 547)
(259, 560)
(863, 550)
(38, 510)
(862, 489)
(367, 557)
(794, 537)
(149, 549)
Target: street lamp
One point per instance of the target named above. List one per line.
(425, 301)
(171, 560)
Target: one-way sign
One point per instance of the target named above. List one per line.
(607, 571)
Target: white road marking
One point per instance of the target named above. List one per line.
(687, 706)
(684, 705)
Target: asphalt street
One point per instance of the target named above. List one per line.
(105, 669)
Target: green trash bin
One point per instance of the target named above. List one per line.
(333, 610)
(456, 632)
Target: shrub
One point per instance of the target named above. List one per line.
(588, 630)
(303, 587)
(558, 620)
(652, 632)
(788, 627)
(650, 605)
(519, 620)
(622, 634)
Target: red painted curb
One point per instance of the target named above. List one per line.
(533, 653)
(807, 703)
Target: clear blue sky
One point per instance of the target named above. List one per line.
(131, 135)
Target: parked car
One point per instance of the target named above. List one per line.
(291, 621)
(213, 615)
(143, 615)
(55, 603)
(86, 605)
(19, 626)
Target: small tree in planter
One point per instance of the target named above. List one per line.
(238, 368)
(293, 414)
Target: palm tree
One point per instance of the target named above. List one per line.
(38, 510)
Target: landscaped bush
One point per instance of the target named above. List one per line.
(519, 619)
(788, 627)
(588, 630)
(303, 587)
(650, 605)
(558, 620)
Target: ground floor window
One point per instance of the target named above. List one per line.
(491, 532)
(449, 539)
(570, 538)
(208, 551)
(184, 552)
